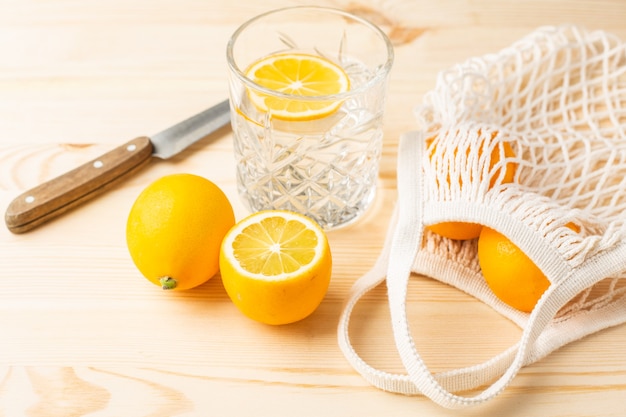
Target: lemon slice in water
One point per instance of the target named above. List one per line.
(300, 75)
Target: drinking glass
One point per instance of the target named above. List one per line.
(325, 166)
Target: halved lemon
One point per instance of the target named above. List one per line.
(300, 75)
(276, 266)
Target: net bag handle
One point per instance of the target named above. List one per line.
(395, 262)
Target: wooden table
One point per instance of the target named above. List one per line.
(84, 334)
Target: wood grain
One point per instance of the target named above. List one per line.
(83, 334)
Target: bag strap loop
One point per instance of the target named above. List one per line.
(401, 245)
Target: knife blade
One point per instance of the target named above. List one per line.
(58, 195)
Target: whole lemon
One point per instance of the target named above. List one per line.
(175, 229)
(465, 230)
(509, 272)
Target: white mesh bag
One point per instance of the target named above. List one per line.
(558, 98)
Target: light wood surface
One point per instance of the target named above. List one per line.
(83, 334)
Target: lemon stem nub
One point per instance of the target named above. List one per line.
(167, 283)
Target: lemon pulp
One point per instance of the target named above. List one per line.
(299, 75)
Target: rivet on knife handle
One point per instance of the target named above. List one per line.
(64, 192)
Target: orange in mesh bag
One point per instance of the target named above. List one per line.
(558, 98)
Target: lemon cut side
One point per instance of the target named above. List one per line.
(276, 266)
(299, 75)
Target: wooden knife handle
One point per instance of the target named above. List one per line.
(68, 190)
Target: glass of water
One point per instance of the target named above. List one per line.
(307, 92)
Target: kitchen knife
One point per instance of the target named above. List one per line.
(68, 190)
